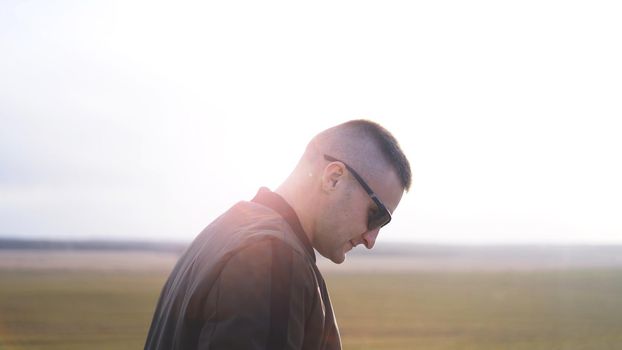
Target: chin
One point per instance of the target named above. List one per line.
(338, 258)
(335, 256)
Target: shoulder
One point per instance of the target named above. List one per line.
(270, 255)
(269, 267)
(259, 222)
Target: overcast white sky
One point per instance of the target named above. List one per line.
(146, 120)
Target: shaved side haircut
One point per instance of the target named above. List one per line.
(352, 138)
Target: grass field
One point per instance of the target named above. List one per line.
(547, 310)
(76, 310)
(481, 310)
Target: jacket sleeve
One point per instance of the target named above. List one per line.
(256, 302)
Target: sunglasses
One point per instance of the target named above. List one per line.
(377, 219)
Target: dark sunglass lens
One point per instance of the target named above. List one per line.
(379, 219)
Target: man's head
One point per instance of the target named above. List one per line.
(348, 182)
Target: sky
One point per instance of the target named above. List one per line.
(145, 120)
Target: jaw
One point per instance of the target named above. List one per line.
(329, 248)
(336, 256)
(340, 255)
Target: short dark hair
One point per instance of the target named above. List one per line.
(388, 145)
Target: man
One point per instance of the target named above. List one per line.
(249, 280)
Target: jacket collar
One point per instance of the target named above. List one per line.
(275, 202)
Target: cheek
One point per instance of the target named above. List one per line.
(346, 217)
(340, 211)
(360, 214)
(353, 223)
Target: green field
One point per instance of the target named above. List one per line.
(576, 309)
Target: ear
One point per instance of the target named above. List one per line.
(332, 175)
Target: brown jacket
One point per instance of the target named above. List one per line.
(248, 281)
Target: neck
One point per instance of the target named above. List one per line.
(299, 198)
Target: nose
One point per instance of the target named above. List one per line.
(369, 238)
